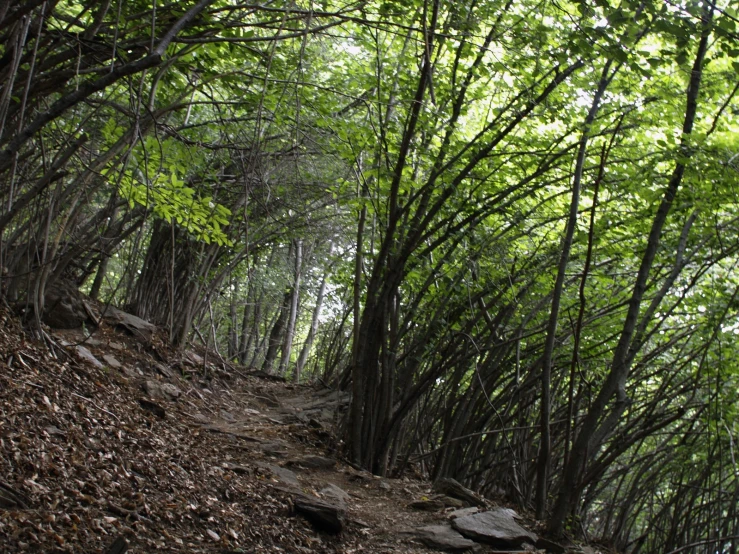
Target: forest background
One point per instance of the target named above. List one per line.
(509, 227)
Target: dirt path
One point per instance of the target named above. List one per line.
(127, 443)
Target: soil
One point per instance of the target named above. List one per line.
(158, 450)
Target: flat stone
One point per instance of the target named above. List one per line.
(131, 323)
(496, 527)
(427, 505)
(283, 475)
(451, 502)
(152, 407)
(335, 495)
(131, 373)
(313, 462)
(453, 488)
(87, 356)
(462, 512)
(236, 468)
(161, 390)
(278, 449)
(324, 516)
(112, 362)
(443, 537)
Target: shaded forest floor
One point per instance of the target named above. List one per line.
(173, 453)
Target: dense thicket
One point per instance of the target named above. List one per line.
(508, 227)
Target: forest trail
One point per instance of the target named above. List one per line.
(114, 442)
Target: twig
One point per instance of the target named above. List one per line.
(96, 406)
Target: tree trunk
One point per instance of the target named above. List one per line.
(542, 465)
(293, 313)
(595, 426)
(312, 331)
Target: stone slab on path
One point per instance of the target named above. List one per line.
(323, 515)
(496, 527)
(443, 537)
(451, 487)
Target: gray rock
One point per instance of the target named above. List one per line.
(278, 449)
(324, 516)
(451, 502)
(236, 468)
(462, 512)
(131, 323)
(161, 390)
(313, 462)
(111, 361)
(335, 495)
(443, 537)
(427, 505)
(64, 306)
(453, 488)
(87, 356)
(496, 527)
(283, 475)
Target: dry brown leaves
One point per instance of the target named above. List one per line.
(81, 463)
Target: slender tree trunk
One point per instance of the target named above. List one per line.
(594, 426)
(293, 314)
(355, 422)
(233, 335)
(313, 329)
(542, 466)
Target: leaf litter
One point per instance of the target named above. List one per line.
(86, 467)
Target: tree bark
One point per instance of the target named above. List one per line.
(599, 420)
(287, 345)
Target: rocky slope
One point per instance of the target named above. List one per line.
(111, 442)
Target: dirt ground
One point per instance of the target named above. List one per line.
(166, 451)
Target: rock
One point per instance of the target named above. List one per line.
(152, 407)
(384, 485)
(84, 354)
(278, 449)
(443, 537)
(194, 358)
(163, 370)
(324, 516)
(335, 495)
(284, 476)
(462, 512)
(496, 527)
(131, 373)
(118, 546)
(450, 502)
(134, 325)
(427, 505)
(65, 307)
(161, 390)
(453, 488)
(313, 462)
(111, 361)
(236, 468)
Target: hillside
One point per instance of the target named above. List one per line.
(175, 453)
